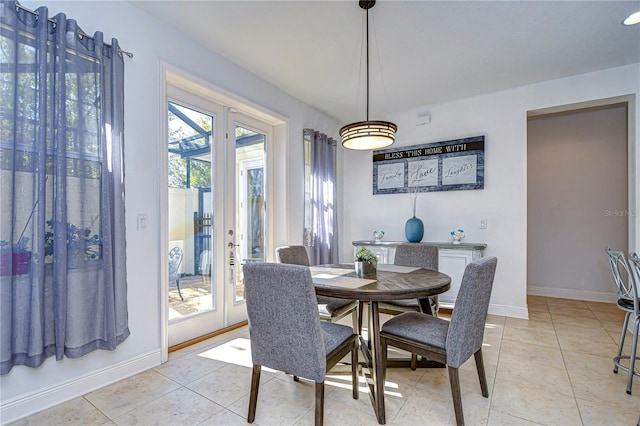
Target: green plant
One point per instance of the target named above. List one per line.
(365, 255)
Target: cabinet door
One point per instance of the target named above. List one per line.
(453, 263)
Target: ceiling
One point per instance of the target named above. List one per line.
(422, 52)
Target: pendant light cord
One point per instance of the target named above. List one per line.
(367, 38)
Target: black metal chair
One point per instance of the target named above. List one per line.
(449, 342)
(287, 334)
(330, 308)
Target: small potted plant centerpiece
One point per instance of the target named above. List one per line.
(366, 263)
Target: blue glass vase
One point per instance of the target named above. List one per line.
(414, 230)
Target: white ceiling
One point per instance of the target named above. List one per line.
(429, 52)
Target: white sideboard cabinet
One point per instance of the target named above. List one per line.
(452, 260)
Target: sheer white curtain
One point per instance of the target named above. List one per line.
(62, 236)
(321, 221)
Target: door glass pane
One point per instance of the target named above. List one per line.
(250, 201)
(190, 211)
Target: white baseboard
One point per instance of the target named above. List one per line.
(589, 296)
(509, 311)
(31, 403)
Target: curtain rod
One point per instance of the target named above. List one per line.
(80, 32)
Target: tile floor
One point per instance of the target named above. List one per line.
(554, 369)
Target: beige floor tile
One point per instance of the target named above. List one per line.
(531, 354)
(129, 394)
(78, 411)
(493, 334)
(576, 320)
(226, 385)
(593, 379)
(490, 356)
(497, 418)
(531, 336)
(616, 316)
(598, 334)
(540, 316)
(235, 351)
(189, 368)
(225, 417)
(434, 380)
(434, 404)
(495, 320)
(598, 413)
(537, 304)
(528, 403)
(531, 324)
(344, 395)
(403, 376)
(539, 377)
(539, 299)
(180, 407)
(338, 412)
(566, 303)
(555, 310)
(279, 402)
(423, 410)
(613, 328)
(601, 306)
(584, 344)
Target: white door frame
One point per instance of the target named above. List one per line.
(176, 77)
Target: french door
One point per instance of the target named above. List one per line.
(217, 213)
(246, 204)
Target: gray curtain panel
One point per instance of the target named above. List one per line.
(323, 199)
(62, 236)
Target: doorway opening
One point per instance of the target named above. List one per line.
(580, 197)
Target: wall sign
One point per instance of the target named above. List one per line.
(442, 166)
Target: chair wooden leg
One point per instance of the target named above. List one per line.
(454, 380)
(383, 348)
(253, 396)
(414, 362)
(354, 370)
(356, 322)
(481, 374)
(319, 403)
(360, 313)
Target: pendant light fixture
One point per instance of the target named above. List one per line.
(368, 134)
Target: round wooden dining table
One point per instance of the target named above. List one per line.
(390, 283)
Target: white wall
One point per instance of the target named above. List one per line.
(577, 177)
(502, 118)
(25, 389)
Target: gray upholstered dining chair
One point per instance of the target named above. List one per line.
(449, 342)
(626, 274)
(420, 256)
(330, 308)
(286, 333)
